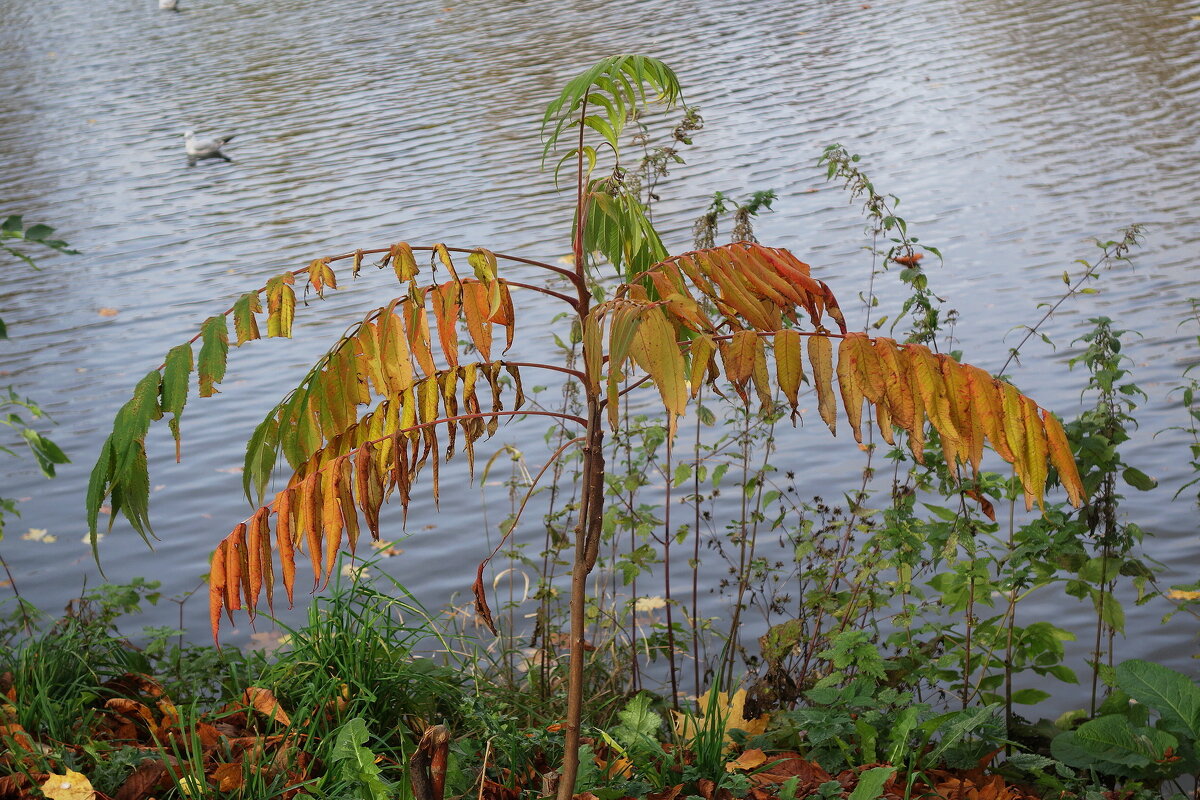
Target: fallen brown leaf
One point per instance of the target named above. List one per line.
(227, 776)
(262, 701)
(150, 776)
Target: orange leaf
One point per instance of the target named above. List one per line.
(760, 376)
(750, 759)
(393, 352)
(310, 521)
(283, 538)
(262, 701)
(1064, 462)
(896, 388)
(331, 518)
(131, 708)
(986, 406)
(654, 350)
(216, 588)
(254, 558)
(966, 418)
(233, 569)
(445, 311)
(416, 324)
(739, 357)
(475, 309)
(227, 777)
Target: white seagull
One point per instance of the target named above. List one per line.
(168, 5)
(204, 148)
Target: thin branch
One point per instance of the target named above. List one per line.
(524, 501)
(1119, 249)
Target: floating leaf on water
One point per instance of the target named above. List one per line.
(39, 535)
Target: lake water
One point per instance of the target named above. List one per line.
(1014, 133)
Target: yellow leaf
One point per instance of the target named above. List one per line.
(403, 262)
(1036, 452)
(762, 380)
(444, 256)
(750, 759)
(730, 710)
(926, 377)
(850, 381)
(789, 368)
(702, 349)
(820, 356)
(70, 786)
(654, 350)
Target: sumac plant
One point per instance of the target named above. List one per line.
(395, 395)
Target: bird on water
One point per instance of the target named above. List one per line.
(204, 148)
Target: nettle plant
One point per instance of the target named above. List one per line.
(396, 393)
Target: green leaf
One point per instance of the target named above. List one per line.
(1029, 761)
(1138, 479)
(954, 726)
(638, 723)
(134, 418)
(871, 783)
(1173, 695)
(1112, 741)
(98, 487)
(1110, 609)
(1029, 697)
(245, 324)
(45, 451)
(617, 85)
(357, 763)
(176, 373)
(262, 451)
(37, 233)
(214, 350)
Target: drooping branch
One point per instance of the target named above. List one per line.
(320, 507)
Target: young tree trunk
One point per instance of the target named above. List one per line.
(587, 546)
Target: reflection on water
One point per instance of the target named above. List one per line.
(1013, 132)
